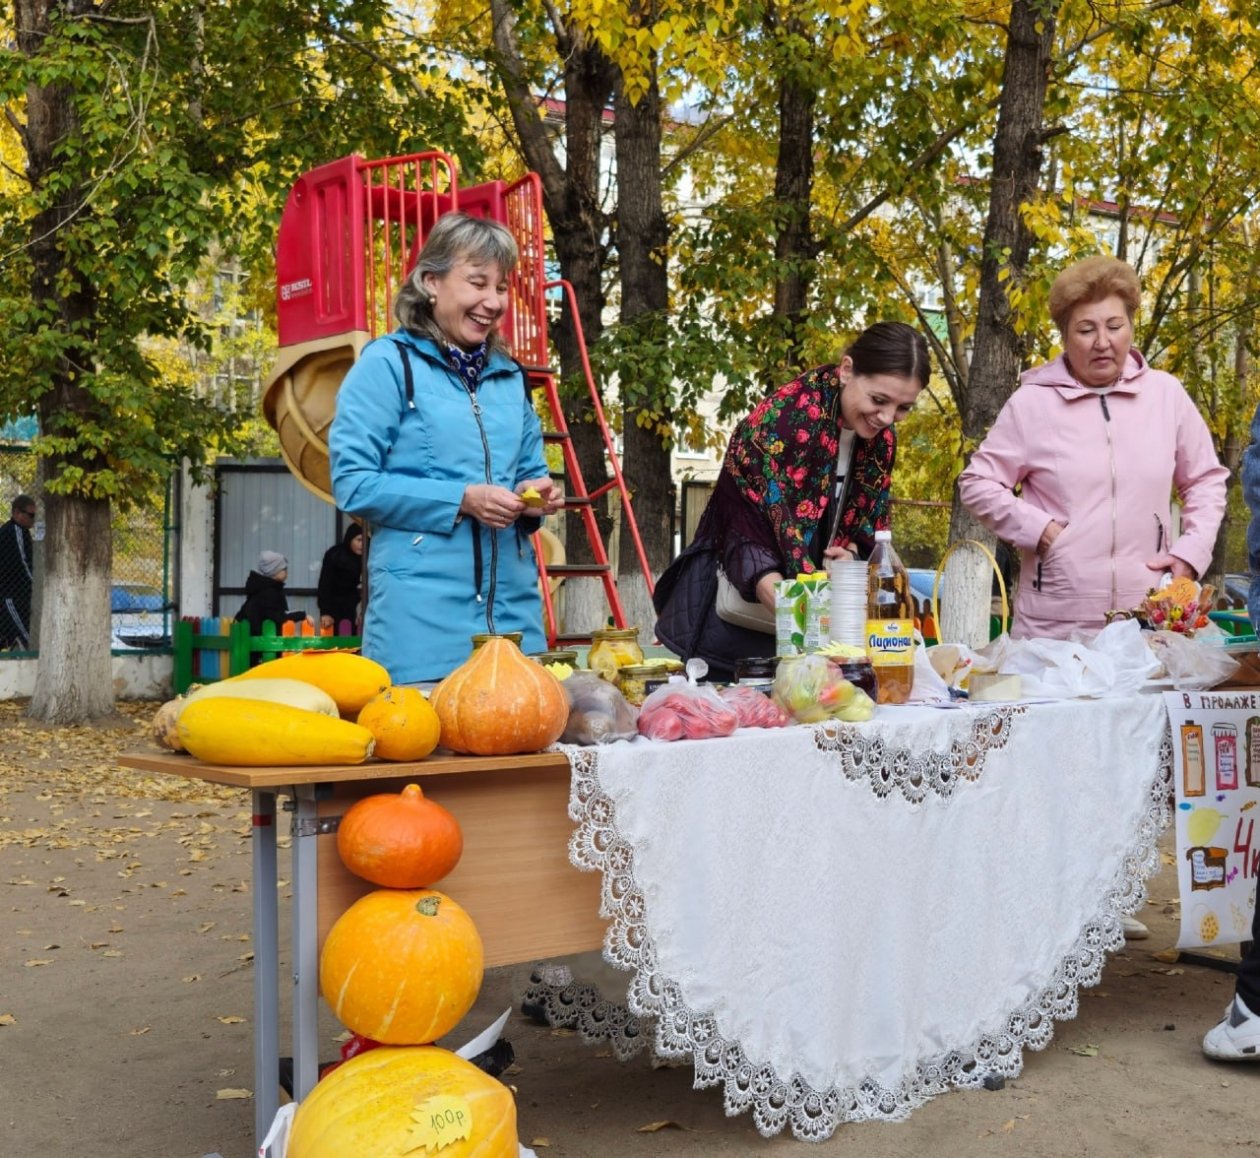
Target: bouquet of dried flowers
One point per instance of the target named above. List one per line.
(1182, 607)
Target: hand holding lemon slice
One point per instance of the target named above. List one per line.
(531, 497)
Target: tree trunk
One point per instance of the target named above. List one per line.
(643, 240)
(999, 351)
(73, 681)
(571, 200)
(794, 249)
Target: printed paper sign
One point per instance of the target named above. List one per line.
(1216, 766)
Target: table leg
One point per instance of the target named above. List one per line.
(266, 965)
(305, 944)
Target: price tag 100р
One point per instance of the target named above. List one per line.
(439, 1122)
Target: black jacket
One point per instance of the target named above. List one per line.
(264, 599)
(339, 579)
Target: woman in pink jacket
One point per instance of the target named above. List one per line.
(1096, 442)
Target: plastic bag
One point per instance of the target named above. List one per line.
(754, 708)
(811, 689)
(598, 712)
(685, 709)
(1192, 665)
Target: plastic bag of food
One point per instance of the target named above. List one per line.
(685, 709)
(754, 708)
(598, 712)
(811, 689)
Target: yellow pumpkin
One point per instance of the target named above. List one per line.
(402, 966)
(164, 732)
(350, 679)
(259, 734)
(499, 703)
(404, 723)
(417, 1100)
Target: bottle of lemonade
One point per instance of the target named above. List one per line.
(890, 622)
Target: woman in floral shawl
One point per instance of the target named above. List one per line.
(768, 517)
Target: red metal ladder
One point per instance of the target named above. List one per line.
(348, 237)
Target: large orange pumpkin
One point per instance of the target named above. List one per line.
(404, 723)
(399, 840)
(383, 1102)
(402, 966)
(499, 703)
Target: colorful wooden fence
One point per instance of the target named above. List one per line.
(208, 649)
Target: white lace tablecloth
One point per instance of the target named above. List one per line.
(838, 923)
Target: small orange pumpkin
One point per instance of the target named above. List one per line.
(499, 703)
(404, 723)
(400, 840)
(402, 966)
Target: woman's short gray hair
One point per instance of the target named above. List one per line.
(455, 237)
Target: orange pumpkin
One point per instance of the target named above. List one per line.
(402, 966)
(394, 1101)
(399, 840)
(499, 703)
(404, 723)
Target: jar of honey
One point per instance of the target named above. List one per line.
(546, 657)
(613, 648)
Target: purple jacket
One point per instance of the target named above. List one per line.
(1104, 465)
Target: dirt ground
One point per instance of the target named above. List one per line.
(126, 1007)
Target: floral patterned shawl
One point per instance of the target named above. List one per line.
(782, 457)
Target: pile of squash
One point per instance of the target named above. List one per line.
(315, 707)
(400, 968)
(338, 707)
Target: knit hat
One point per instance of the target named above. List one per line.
(271, 563)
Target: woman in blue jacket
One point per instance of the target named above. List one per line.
(434, 440)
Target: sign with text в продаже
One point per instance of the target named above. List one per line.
(1216, 767)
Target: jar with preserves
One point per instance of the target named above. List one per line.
(860, 673)
(613, 648)
(757, 671)
(637, 681)
(546, 657)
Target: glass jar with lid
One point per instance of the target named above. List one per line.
(613, 648)
(637, 681)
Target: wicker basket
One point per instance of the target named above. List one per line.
(940, 571)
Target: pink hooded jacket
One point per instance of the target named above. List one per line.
(1104, 465)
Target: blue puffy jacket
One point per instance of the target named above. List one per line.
(436, 577)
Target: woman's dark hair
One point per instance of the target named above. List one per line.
(891, 348)
(352, 532)
(455, 237)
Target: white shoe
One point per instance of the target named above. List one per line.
(1134, 930)
(1237, 1037)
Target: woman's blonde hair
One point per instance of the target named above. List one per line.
(1091, 280)
(455, 237)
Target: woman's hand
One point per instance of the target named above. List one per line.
(326, 621)
(839, 550)
(1053, 531)
(552, 495)
(1179, 567)
(492, 505)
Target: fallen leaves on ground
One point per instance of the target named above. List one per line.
(652, 1127)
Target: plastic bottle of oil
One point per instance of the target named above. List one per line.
(890, 622)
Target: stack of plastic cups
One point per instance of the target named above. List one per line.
(848, 601)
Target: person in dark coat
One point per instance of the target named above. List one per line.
(340, 580)
(17, 574)
(264, 594)
(771, 514)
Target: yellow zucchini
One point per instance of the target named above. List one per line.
(260, 734)
(349, 678)
(295, 693)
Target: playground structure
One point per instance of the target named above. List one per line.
(350, 233)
